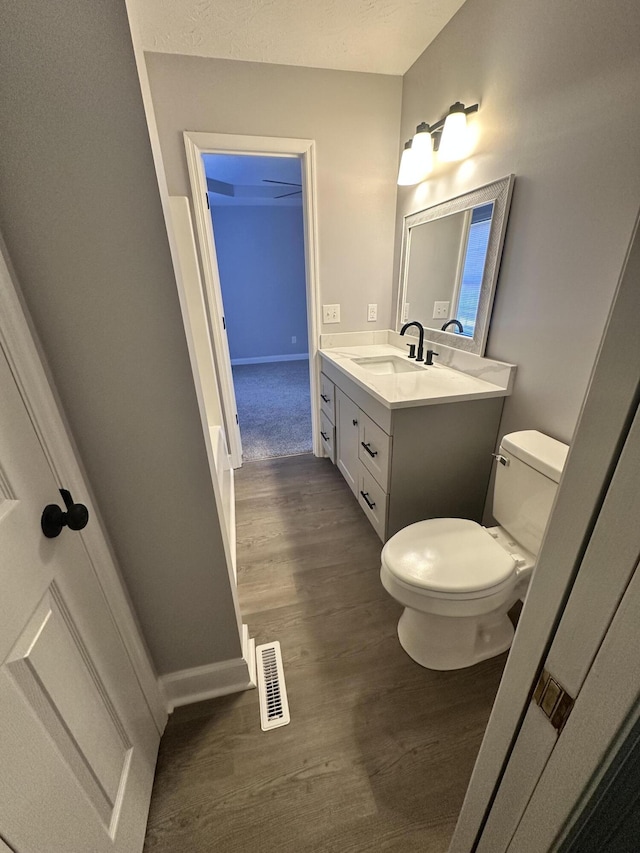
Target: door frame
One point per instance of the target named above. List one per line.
(197, 144)
(610, 404)
(24, 353)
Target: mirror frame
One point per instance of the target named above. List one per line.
(499, 192)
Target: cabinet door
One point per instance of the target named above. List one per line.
(347, 423)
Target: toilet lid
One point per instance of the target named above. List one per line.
(447, 555)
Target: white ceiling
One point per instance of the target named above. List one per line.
(379, 36)
(241, 179)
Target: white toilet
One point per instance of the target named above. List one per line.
(457, 579)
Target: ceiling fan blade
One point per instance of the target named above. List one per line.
(286, 195)
(286, 183)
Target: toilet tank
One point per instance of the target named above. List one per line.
(526, 485)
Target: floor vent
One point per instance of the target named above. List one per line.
(274, 707)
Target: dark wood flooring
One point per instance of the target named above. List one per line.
(379, 751)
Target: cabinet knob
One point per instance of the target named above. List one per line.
(325, 398)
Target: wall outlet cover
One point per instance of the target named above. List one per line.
(330, 313)
(405, 312)
(441, 309)
(372, 311)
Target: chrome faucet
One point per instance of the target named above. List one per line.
(420, 355)
(457, 323)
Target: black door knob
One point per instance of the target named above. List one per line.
(54, 519)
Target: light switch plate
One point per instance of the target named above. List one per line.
(441, 309)
(372, 311)
(330, 313)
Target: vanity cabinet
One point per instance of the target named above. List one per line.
(410, 463)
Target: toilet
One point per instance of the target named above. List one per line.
(456, 579)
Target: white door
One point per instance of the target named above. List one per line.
(77, 740)
(595, 659)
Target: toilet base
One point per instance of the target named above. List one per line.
(446, 642)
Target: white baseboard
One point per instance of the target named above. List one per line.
(263, 359)
(187, 686)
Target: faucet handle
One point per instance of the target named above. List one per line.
(430, 355)
(412, 350)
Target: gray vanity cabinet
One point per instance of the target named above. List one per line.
(408, 464)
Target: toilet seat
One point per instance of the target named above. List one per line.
(452, 558)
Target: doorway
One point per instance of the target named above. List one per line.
(255, 152)
(255, 205)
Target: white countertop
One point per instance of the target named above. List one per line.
(426, 386)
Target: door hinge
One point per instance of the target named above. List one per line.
(553, 699)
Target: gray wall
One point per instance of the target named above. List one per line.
(260, 253)
(434, 255)
(81, 216)
(354, 119)
(558, 86)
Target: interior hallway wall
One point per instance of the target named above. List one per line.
(558, 86)
(81, 216)
(354, 119)
(260, 252)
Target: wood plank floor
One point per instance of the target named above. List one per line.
(379, 751)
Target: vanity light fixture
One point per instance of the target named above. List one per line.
(409, 172)
(448, 137)
(454, 142)
(422, 144)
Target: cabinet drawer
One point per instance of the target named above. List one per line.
(328, 398)
(373, 500)
(374, 449)
(328, 437)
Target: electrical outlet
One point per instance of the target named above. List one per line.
(330, 313)
(294, 339)
(372, 311)
(405, 312)
(441, 309)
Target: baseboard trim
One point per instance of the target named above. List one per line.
(264, 359)
(198, 683)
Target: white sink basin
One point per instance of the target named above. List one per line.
(387, 364)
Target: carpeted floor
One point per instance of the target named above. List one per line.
(274, 408)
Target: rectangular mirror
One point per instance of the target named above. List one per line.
(449, 267)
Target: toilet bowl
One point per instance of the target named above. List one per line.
(456, 579)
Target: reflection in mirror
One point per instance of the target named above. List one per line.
(450, 259)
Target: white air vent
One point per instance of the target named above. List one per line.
(274, 707)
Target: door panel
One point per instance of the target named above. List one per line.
(77, 740)
(347, 424)
(598, 596)
(607, 707)
(48, 665)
